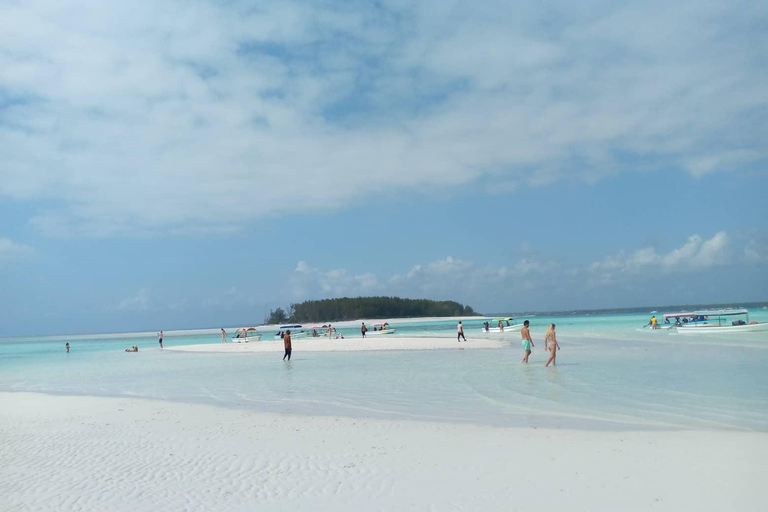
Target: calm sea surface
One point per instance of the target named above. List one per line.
(611, 374)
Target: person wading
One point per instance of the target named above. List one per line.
(287, 344)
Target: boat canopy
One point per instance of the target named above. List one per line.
(290, 326)
(380, 325)
(721, 312)
(678, 315)
(246, 329)
(503, 319)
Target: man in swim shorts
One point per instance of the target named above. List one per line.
(461, 333)
(527, 341)
(287, 345)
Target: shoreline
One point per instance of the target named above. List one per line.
(128, 454)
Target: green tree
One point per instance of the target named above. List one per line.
(277, 316)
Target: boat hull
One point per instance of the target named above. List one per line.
(508, 328)
(377, 333)
(708, 329)
(247, 339)
(297, 335)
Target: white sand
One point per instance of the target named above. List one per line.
(83, 453)
(378, 342)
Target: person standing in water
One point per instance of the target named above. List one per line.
(461, 333)
(363, 329)
(550, 343)
(67, 347)
(330, 331)
(527, 341)
(223, 335)
(160, 338)
(287, 344)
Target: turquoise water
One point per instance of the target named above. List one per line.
(611, 374)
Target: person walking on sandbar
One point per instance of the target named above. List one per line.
(527, 341)
(550, 343)
(363, 329)
(287, 344)
(461, 333)
(160, 338)
(223, 335)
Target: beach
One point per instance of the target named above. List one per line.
(85, 453)
(629, 420)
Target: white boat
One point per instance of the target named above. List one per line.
(246, 334)
(380, 329)
(297, 331)
(319, 331)
(505, 326)
(721, 321)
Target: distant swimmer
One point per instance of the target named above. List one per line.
(363, 329)
(460, 334)
(527, 341)
(223, 335)
(160, 338)
(550, 343)
(67, 347)
(287, 344)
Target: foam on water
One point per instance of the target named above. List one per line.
(611, 374)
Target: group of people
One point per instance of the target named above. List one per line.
(134, 348)
(550, 343)
(550, 340)
(487, 325)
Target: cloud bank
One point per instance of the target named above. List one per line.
(469, 281)
(178, 117)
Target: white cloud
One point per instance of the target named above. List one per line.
(139, 302)
(11, 251)
(695, 254)
(179, 117)
(447, 278)
(308, 282)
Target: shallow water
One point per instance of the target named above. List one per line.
(611, 374)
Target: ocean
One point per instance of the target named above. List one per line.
(611, 374)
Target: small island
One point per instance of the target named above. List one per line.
(353, 308)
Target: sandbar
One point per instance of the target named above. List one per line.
(93, 453)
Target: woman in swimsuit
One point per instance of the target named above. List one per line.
(550, 343)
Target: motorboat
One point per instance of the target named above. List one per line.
(721, 321)
(246, 334)
(381, 328)
(502, 324)
(297, 331)
(319, 330)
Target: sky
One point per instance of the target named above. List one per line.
(197, 163)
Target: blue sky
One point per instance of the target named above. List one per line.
(195, 164)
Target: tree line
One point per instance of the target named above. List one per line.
(349, 308)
